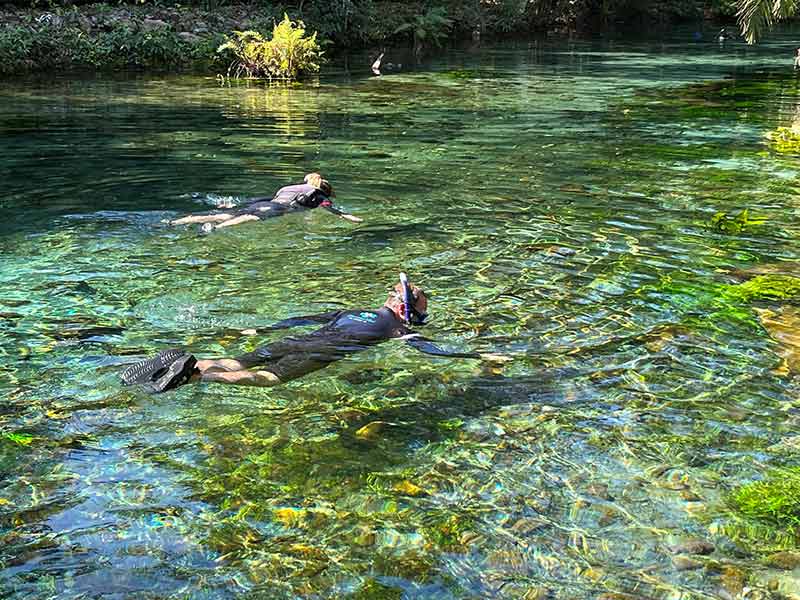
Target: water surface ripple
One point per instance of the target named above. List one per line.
(555, 199)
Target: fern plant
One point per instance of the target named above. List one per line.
(432, 26)
(289, 54)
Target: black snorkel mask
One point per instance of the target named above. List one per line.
(410, 314)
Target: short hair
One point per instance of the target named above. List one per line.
(318, 182)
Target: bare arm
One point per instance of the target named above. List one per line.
(236, 221)
(339, 213)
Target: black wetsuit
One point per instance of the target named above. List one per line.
(344, 332)
(288, 199)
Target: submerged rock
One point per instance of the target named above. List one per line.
(371, 430)
(733, 579)
(684, 563)
(407, 488)
(783, 325)
(784, 560)
(537, 593)
(696, 546)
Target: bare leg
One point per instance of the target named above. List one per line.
(220, 364)
(253, 378)
(202, 219)
(237, 220)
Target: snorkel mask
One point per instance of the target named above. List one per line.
(410, 314)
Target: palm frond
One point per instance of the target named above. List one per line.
(756, 16)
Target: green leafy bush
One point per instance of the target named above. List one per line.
(430, 27)
(287, 55)
(25, 49)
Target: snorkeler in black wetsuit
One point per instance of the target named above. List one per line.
(343, 333)
(314, 192)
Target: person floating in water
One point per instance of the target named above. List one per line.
(343, 333)
(797, 59)
(314, 192)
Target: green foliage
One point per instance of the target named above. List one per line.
(770, 509)
(38, 49)
(19, 438)
(287, 55)
(766, 287)
(785, 139)
(430, 27)
(445, 533)
(756, 16)
(725, 223)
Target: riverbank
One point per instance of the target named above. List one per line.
(174, 38)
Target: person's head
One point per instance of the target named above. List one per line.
(316, 180)
(408, 302)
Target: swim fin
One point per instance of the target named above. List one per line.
(165, 371)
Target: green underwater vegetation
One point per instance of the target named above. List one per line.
(767, 511)
(642, 387)
(784, 139)
(725, 223)
(766, 287)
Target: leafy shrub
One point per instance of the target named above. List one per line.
(429, 27)
(37, 49)
(286, 56)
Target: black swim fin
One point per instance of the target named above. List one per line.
(165, 371)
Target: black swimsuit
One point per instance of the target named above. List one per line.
(345, 332)
(288, 199)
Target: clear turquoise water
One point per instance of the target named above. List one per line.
(554, 197)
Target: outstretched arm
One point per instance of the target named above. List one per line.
(339, 213)
(422, 344)
(425, 345)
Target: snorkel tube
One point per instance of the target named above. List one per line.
(410, 313)
(408, 297)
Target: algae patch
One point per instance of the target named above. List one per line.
(768, 511)
(766, 287)
(785, 140)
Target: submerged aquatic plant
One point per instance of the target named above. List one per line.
(784, 139)
(768, 511)
(723, 222)
(286, 56)
(766, 287)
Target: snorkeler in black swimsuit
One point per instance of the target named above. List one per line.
(343, 333)
(314, 192)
